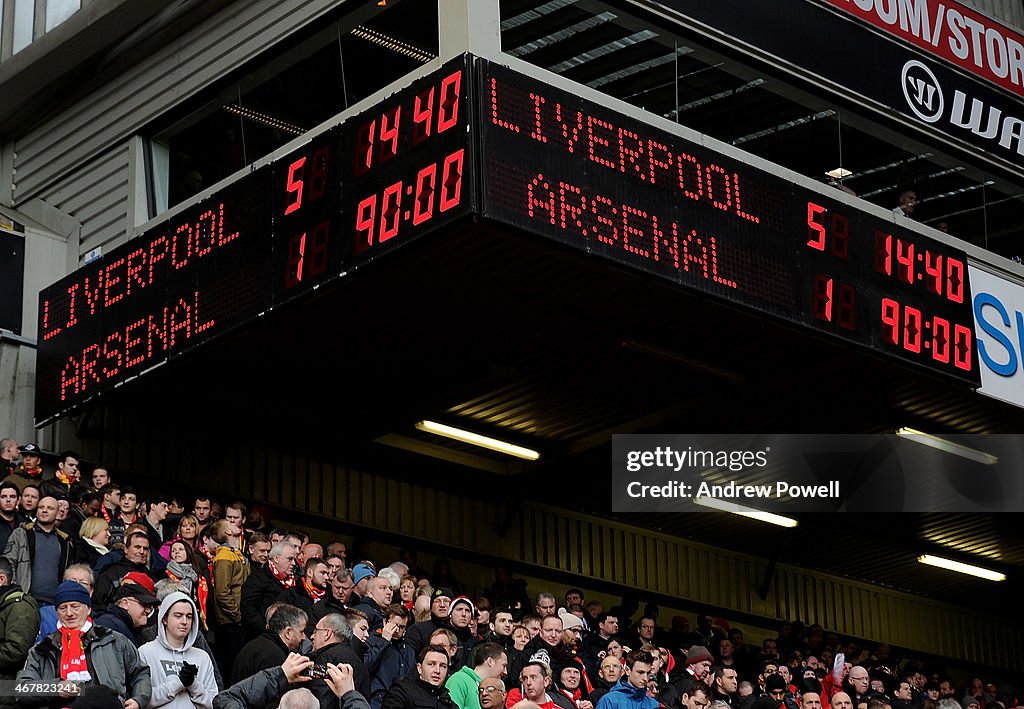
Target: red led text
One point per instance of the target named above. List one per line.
(184, 244)
(133, 347)
(616, 148)
(620, 225)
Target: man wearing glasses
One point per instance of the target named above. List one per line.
(330, 646)
(492, 693)
(490, 661)
(129, 611)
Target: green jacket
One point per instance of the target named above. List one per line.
(464, 688)
(112, 659)
(19, 623)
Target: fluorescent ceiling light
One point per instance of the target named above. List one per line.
(947, 446)
(477, 440)
(716, 504)
(961, 567)
(838, 173)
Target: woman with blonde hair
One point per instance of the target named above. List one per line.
(94, 536)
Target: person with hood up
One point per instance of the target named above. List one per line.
(631, 690)
(182, 674)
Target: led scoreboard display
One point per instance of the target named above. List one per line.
(474, 137)
(381, 178)
(578, 172)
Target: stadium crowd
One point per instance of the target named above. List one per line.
(112, 599)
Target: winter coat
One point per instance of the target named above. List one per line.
(396, 660)
(266, 687)
(418, 635)
(413, 693)
(19, 624)
(260, 591)
(260, 653)
(230, 571)
(165, 662)
(372, 611)
(113, 661)
(625, 696)
(21, 549)
(109, 580)
(337, 654)
(117, 619)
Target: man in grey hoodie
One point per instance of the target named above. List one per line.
(182, 674)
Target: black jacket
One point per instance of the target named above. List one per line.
(419, 634)
(260, 653)
(372, 611)
(325, 607)
(117, 619)
(109, 579)
(413, 693)
(337, 654)
(260, 591)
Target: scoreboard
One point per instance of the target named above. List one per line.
(478, 138)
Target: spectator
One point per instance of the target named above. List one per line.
(905, 208)
(59, 486)
(10, 516)
(312, 586)
(725, 685)
(407, 590)
(420, 632)
(8, 456)
(30, 470)
(202, 510)
(337, 596)
(100, 477)
(93, 540)
(631, 690)
(339, 550)
(259, 550)
(84, 504)
(19, 623)
(82, 652)
(128, 513)
(189, 571)
(266, 687)
(489, 661)
(182, 674)
(30, 497)
(159, 507)
(378, 597)
(550, 643)
(267, 585)
(187, 530)
(535, 679)
(39, 553)
(492, 693)
(229, 571)
(285, 632)
(134, 558)
(545, 605)
(331, 645)
(608, 674)
(129, 611)
(425, 688)
(389, 654)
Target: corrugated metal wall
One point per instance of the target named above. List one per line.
(78, 158)
(1009, 11)
(554, 539)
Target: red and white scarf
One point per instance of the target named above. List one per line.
(73, 665)
(287, 582)
(312, 591)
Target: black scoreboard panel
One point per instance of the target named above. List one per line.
(385, 176)
(477, 137)
(582, 174)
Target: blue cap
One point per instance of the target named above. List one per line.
(362, 571)
(71, 592)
